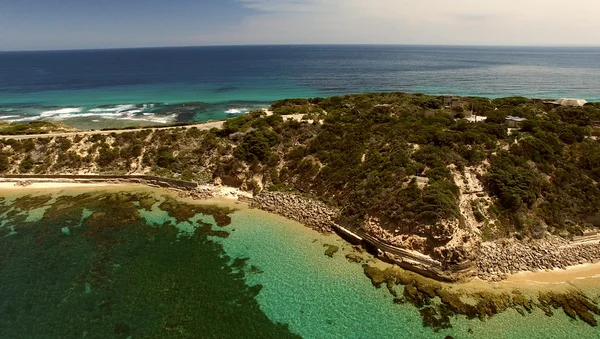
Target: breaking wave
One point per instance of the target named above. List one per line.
(61, 112)
(113, 112)
(237, 111)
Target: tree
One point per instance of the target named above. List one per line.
(4, 162)
(164, 158)
(26, 165)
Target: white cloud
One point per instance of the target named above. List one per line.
(492, 22)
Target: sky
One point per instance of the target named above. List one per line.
(81, 24)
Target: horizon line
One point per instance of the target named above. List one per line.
(292, 45)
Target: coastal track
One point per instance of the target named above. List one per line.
(202, 126)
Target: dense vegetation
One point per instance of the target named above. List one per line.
(366, 155)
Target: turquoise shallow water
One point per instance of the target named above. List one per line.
(117, 265)
(322, 297)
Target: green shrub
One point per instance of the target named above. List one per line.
(26, 165)
(4, 162)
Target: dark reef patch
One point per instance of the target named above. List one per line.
(115, 276)
(438, 304)
(29, 202)
(184, 212)
(147, 202)
(331, 250)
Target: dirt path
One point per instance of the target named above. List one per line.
(203, 127)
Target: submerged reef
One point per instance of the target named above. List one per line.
(331, 250)
(118, 274)
(29, 202)
(183, 212)
(438, 304)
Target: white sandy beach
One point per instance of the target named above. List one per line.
(11, 185)
(570, 274)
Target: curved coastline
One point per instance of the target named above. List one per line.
(524, 292)
(306, 211)
(276, 203)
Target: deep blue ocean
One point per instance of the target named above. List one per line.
(149, 84)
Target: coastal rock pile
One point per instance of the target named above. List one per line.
(498, 259)
(23, 183)
(306, 211)
(201, 193)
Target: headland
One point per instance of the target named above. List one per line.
(413, 178)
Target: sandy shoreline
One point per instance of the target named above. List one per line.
(581, 277)
(573, 276)
(207, 191)
(572, 273)
(12, 185)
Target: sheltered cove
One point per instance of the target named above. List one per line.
(321, 218)
(436, 302)
(306, 211)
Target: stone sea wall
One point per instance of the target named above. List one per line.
(498, 259)
(306, 211)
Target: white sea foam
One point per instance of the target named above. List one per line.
(85, 115)
(112, 109)
(104, 112)
(133, 112)
(119, 112)
(25, 119)
(237, 111)
(61, 111)
(160, 120)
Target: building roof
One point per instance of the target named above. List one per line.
(571, 102)
(476, 118)
(516, 119)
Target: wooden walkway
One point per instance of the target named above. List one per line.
(361, 236)
(411, 260)
(400, 252)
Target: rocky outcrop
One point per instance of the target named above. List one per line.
(331, 250)
(306, 211)
(498, 259)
